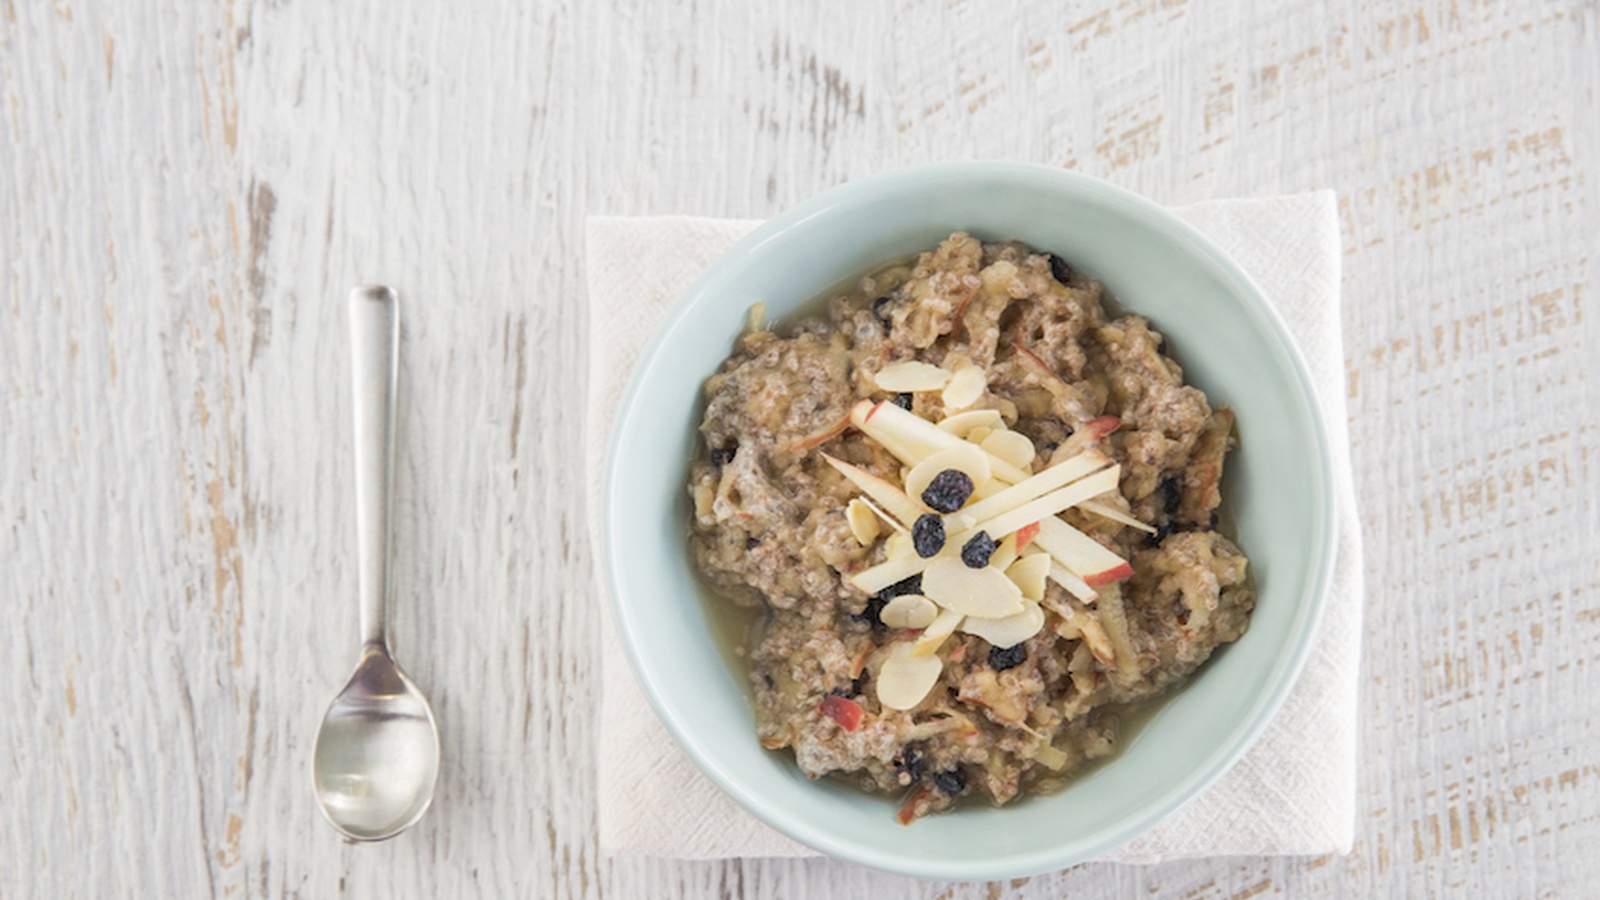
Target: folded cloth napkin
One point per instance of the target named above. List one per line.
(1293, 793)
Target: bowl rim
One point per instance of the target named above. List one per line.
(1288, 665)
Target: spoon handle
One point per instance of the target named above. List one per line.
(374, 370)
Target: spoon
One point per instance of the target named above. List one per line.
(377, 753)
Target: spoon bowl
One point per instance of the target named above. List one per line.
(377, 755)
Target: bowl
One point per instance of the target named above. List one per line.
(1278, 485)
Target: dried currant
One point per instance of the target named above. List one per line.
(950, 782)
(1059, 269)
(948, 490)
(976, 552)
(927, 535)
(1003, 658)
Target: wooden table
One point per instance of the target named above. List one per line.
(190, 189)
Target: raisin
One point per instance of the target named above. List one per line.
(910, 763)
(724, 455)
(1059, 269)
(1171, 494)
(1003, 658)
(880, 311)
(903, 401)
(872, 614)
(927, 535)
(912, 585)
(977, 551)
(1162, 531)
(950, 782)
(948, 490)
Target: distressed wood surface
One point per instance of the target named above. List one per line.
(188, 190)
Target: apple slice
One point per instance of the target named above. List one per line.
(934, 635)
(1025, 535)
(909, 375)
(1057, 476)
(882, 516)
(962, 457)
(823, 436)
(892, 426)
(966, 385)
(906, 447)
(1107, 511)
(984, 592)
(1030, 573)
(904, 679)
(909, 611)
(963, 422)
(1007, 631)
(1069, 582)
(1005, 554)
(1011, 446)
(891, 498)
(899, 546)
(893, 570)
(1080, 554)
(1045, 508)
(1087, 435)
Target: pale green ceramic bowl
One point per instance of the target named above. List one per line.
(1232, 345)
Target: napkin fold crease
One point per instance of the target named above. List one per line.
(1293, 792)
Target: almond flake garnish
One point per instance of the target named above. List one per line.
(904, 679)
(909, 376)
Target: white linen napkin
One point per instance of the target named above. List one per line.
(1293, 793)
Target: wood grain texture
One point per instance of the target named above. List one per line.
(188, 191)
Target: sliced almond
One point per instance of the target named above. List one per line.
(1030, 573)
(904, 679)
(863, 521)
(966, 385)
(935, 634)
(962, 457)
(910, 375)
(1011, 446)
(980, 434)
(1007, 631)
(963, 422)
(985, 592)
(909, 611)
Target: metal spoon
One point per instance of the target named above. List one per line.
(377, 754)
